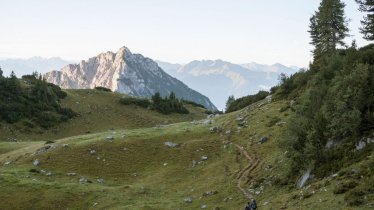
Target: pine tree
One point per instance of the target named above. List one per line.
(1, 72)
(368, 23)
(229, 102)
(328, 27)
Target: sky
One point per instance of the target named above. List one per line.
(177, 31)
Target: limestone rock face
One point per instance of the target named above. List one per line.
(124, 72)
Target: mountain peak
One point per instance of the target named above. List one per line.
(124, 72)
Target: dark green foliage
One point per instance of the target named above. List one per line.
(165, 105)
(345, 186)
(192, 103)
(229, 101)
(168, 105)
(39, 101)
(213, 112)
(328, 28)
(367, 28)
(103, 89)
(142, 102)
(336, 103)
(245, 101)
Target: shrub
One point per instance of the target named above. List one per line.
(243, 102)
(103, 89)
(142, 102)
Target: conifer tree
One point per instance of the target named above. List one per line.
(368, 23)
(328, 27)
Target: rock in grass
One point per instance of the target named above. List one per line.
(204, 158)
(7, 163)
(110, 138)
(203, 206)
(187, 200)
(36, 162)
(209, 193)
(100, 181)
(170, 144)
(263, 139)
(65, 145)
(92, 152)
(71, 174)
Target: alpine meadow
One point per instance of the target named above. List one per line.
(114, 129)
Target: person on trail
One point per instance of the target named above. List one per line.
(248, 206)
(253, 205)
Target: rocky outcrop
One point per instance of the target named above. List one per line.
(124, 72)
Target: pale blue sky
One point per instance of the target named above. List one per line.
(177, 31)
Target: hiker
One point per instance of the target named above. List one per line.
(248, 206)
(253, 205)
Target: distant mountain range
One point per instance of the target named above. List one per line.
(124, 72)
(27, 66)
(216, 79)
(219, 79)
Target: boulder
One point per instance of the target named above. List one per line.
(36, 162)
(203, 206)
(8, 162)
(209, 193)
(110, 138)
(208, 122)
(263, 139)
(65, 145)
(71, 174)
(92, 152)
(100, 181)
(214, 129)
(204, 158)
(187, 200)
(170, 144)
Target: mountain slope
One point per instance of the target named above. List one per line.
(97, 111)
(219, 79)
(136, 170)
(124, 72)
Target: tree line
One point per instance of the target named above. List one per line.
(32, 101)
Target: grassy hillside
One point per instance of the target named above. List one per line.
(136, 170)
(97, 111)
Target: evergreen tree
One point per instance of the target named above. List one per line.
(1, 72)
(368, 23)
(229, 101)
(328, 27)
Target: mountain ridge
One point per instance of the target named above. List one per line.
(124, 72)
(226, 78)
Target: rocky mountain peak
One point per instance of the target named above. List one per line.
(124, 72)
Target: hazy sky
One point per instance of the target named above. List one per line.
(177, 31)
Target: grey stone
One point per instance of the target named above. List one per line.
(8, 162)
(92, 152)
(170, 144)
(36, 162)
(209, 193)
(187, 200)
(263, 139)
(203, 206)
(204, 158)
(71, 174)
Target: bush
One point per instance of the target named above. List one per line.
(142, 102)
(103, 89)
(38, 102)
(243, 102)
(192, 103)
